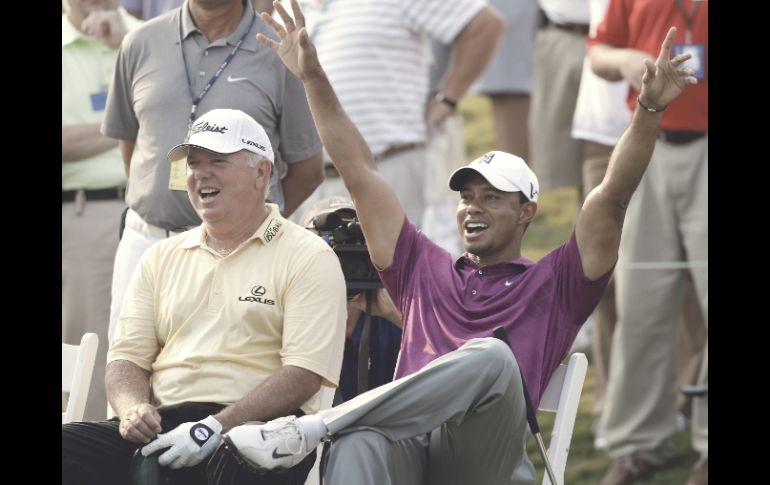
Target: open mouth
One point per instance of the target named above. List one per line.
(475, 228)
(208, 193)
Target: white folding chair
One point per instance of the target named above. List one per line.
(77, 365)
(314, 477)
(562, 396)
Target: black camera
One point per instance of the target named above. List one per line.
(343, 233)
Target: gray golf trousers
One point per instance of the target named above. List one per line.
(459, 420)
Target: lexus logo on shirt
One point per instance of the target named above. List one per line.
(257, 293)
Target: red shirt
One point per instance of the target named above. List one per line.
(642, 25)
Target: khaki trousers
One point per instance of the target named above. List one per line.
(667, 221)
(88, 242)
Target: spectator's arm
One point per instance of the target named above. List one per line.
(472, 50)
(79, 142)
(382, 306)
(127, 150)
(301, 179)
(616, 63)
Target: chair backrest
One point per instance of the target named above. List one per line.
(77, 365)
(562, 396)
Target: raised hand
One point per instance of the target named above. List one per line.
(665, 79)
(295, 49)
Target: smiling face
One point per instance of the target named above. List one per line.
(223, 188)
(491, 222)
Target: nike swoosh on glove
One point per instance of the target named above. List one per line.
(188, 444)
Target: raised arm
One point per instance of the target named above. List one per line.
(601, 218)
(378, 208)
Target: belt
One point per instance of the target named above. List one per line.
(135, 222)
(680, 137)
(330, 171)
(394, 150)
(581, 29)
(113, 193)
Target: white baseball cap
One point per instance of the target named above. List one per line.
(504, 171)
(225, 131)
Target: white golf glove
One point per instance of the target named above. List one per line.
(188, 444)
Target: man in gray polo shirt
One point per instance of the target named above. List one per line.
(175, 63)
(455, 413)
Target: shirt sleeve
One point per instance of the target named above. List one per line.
(314, 317)
(576, 294)
(135, 333)
(120, 120)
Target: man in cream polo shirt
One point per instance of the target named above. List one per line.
(240, 319)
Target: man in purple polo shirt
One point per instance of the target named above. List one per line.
(456, 412)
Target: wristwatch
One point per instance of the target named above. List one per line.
(442, 98)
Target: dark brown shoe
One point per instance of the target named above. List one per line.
(627, 469)
(700, 473)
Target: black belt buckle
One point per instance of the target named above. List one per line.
(680, 137)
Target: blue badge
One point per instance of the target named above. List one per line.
(698, 60)
(98, 101)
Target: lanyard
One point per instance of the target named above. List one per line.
(688, 18)
(196, 100)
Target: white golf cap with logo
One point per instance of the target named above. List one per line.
(503, 171)
(225, 131)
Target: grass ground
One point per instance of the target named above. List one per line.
(552, 226)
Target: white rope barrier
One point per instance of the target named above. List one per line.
(664, 265)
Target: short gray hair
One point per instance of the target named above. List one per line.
(253, 159)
